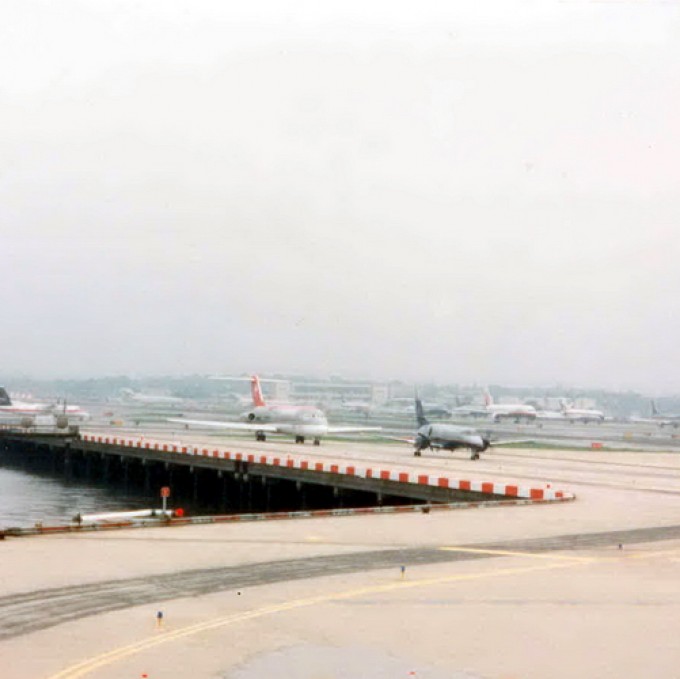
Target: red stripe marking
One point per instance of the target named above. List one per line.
(263, 459)
(487, 488)
(304, 464)
(385, 475)
(443, 482)
(464, 485)
(424, 479)
(318, 466)
(403, 477)
(369, 473)
(350, 471)
(536, 493)
(276, 461)
(335, 469)
(290, 463)
(251, 458)
(512, 490)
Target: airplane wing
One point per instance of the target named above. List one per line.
(410, 440)
(350, 430)
(237, 426)
(507, 442)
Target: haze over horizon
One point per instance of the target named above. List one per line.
(470, 193)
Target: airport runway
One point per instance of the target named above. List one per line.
(495, 592)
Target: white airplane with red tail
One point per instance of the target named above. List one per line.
(300, 421)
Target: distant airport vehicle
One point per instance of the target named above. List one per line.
(300, 421)
(447, 436)
(498, 411)
(584, 415)
(26, 415)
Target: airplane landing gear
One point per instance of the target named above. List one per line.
(317, 442)
(260, 436)
(416, 453)
(299, 439)
(475, 455)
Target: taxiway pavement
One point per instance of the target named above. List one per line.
(586, 588)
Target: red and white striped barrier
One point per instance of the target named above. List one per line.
(263, 516)
(487, 487)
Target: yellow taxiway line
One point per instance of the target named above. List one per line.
(89, 665)
(557, 561)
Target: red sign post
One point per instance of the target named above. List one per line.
(165, 494)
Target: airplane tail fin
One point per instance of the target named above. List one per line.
(256, 391)
(5, 400)
(420, 413)
(488, 398)
(655, 410)
(563, 405)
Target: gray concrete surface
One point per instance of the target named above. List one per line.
(327, 598)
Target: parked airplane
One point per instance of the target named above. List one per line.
(663, 420)
(584, 415)
(299, 421)
(24, 414)
(498, 411)
(150, 399)
(403, 406)
(550, 415)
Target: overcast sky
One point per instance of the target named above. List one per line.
(453, 191)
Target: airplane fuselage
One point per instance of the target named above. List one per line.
(516, 411)
(450, 437)
(294, 420)
(25, 414)
(583, 415)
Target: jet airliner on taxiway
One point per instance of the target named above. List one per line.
(299, 421)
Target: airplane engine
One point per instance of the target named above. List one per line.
(250, 417)
(486, 443)
(421, 442)
(61, 421)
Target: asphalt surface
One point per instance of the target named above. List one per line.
(32, 611)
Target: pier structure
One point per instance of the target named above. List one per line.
(242, 481)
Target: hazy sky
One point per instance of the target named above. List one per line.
(459, 191)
